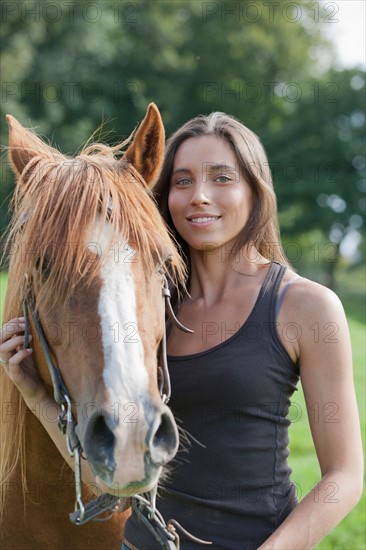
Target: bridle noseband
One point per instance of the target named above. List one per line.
(165, 533)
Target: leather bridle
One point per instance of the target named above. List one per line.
(165, 533)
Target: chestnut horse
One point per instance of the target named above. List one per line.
(89, 240)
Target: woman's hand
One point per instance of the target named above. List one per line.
(18, 362)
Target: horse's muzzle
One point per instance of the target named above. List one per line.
(152, 447)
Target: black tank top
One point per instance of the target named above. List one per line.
(231, 485)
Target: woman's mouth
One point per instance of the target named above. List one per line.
(203, 221)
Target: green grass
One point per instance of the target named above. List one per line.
(3, 283)
(350, 533)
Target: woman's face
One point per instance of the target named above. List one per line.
(209, 199)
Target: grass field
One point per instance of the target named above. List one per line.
(350, 533)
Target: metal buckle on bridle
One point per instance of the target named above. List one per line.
(67, 425)
(165, 533)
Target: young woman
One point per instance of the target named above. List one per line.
(232, 379)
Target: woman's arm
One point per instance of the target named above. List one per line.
(327, 380)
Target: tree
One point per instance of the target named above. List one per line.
(68, 67)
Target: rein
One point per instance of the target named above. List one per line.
(164, 533)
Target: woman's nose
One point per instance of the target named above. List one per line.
(200, 196)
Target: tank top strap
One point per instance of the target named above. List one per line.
(269, 291)
(280, 271)
(283, 293)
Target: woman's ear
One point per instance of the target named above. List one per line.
(146, 152)
(24, 146)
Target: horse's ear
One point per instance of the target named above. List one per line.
(24, 145)
(146, 152)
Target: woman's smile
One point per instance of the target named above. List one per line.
(209, 199)
(202, 220)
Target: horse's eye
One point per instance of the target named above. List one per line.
(44, 267)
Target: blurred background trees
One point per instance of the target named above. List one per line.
(69, 66)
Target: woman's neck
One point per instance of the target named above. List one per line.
(215, 273)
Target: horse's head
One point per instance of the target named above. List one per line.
(90, 239)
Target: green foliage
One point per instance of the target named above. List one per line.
(69, 67)
(3, 285)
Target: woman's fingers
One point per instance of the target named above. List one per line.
(11, 328)
(18, 357)
(18, 362)
(10, 340)
(11, 345)
(14, 368)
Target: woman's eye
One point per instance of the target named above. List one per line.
(223, 179)
(183, 181)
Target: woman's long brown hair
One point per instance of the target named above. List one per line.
(261, 229)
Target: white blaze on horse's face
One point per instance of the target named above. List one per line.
(124, 374)
(132, 434)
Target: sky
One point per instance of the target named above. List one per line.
(346, 27)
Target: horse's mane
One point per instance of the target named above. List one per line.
(60, 200)
(57, 202)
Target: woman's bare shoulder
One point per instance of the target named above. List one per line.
(310, 300)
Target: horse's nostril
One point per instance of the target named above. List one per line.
(164, 441)
(99, 446)
(163, 433)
